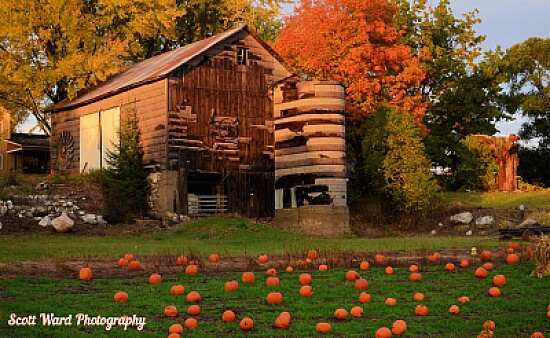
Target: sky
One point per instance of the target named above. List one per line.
(504, 22)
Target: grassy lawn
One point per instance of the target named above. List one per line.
(222, 235)
(520, 311)
(532, 199)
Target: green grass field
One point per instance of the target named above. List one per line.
(495, 199)
(223, 235)
(520, 311)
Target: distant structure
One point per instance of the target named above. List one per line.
(505, 150)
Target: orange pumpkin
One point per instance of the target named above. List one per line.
(418, 297)
(231, 286)
(191, 269)
(361, 284)
(388, 270)
(437, 255)
(463, 299)
(399, 327)
(383, 332)
(488, 266)
(308, 260)
(454, 310)
(364, 297)
(512, 259)
(390, 301)
(121, 297)
(282, 322)
(305, 278)
(182, 260)
(432, 259)
(537, 335)
(271, 272)
(529, 250)
(175, 328)
(341, 314)
(450, 267)
(481, 273)
(274, 298)
(464, 263)
(170, 311)
(177, 290)
(129, 257)
(194, 310)
(509, 250)
(312, 254)
(513, 245)
(352, 275)
(191, 323)
(193, 297)
(246, 324)
(272, 281)
(364, 265)
(489, 325)
(421, 310)
(357, 311)
(122, 262)
(378, 258)
(289, 269)
(85, 274)
(228, 316)
(248, 277)
(415, 277)
(494, 292)
(413, 268)
(323, 267)
(174, 335)
(286, 314)
(499, 280)
(306, 291)
(155, 279)
(262, 258)
(134, 265)
(323, 327)
(486, 255)
(214, 258)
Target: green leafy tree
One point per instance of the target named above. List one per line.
(126, 184)
(396, 162)
(461, 95)
(478, 167)
(526, 71)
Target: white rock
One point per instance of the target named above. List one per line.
(46, 221)
(469, 233)
(62, 223)
(434, 232)
(485, 221)
(89, 219)
(462, 218)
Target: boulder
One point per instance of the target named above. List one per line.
(62, 223)
(462, 218)
(529, 222)
(484, 222)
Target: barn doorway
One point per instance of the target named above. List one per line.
(206, 195)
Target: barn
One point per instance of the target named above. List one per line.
(206, 118)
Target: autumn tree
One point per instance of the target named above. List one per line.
(207, 17)
(50, 50)
(354, 42)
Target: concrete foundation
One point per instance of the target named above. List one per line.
(314, 220)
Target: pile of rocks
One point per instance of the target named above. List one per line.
(56, 211)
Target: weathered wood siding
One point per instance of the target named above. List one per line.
(149, 102)
(220, 112)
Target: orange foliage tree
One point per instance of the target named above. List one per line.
(356, 43)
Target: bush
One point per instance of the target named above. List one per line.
(478, 168)
(397, 162)
(126, 186)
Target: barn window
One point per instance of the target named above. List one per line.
(98, 136)
(242, 54)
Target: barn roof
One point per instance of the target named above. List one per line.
(155, 68)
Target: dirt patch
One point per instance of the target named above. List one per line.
(107, 268)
